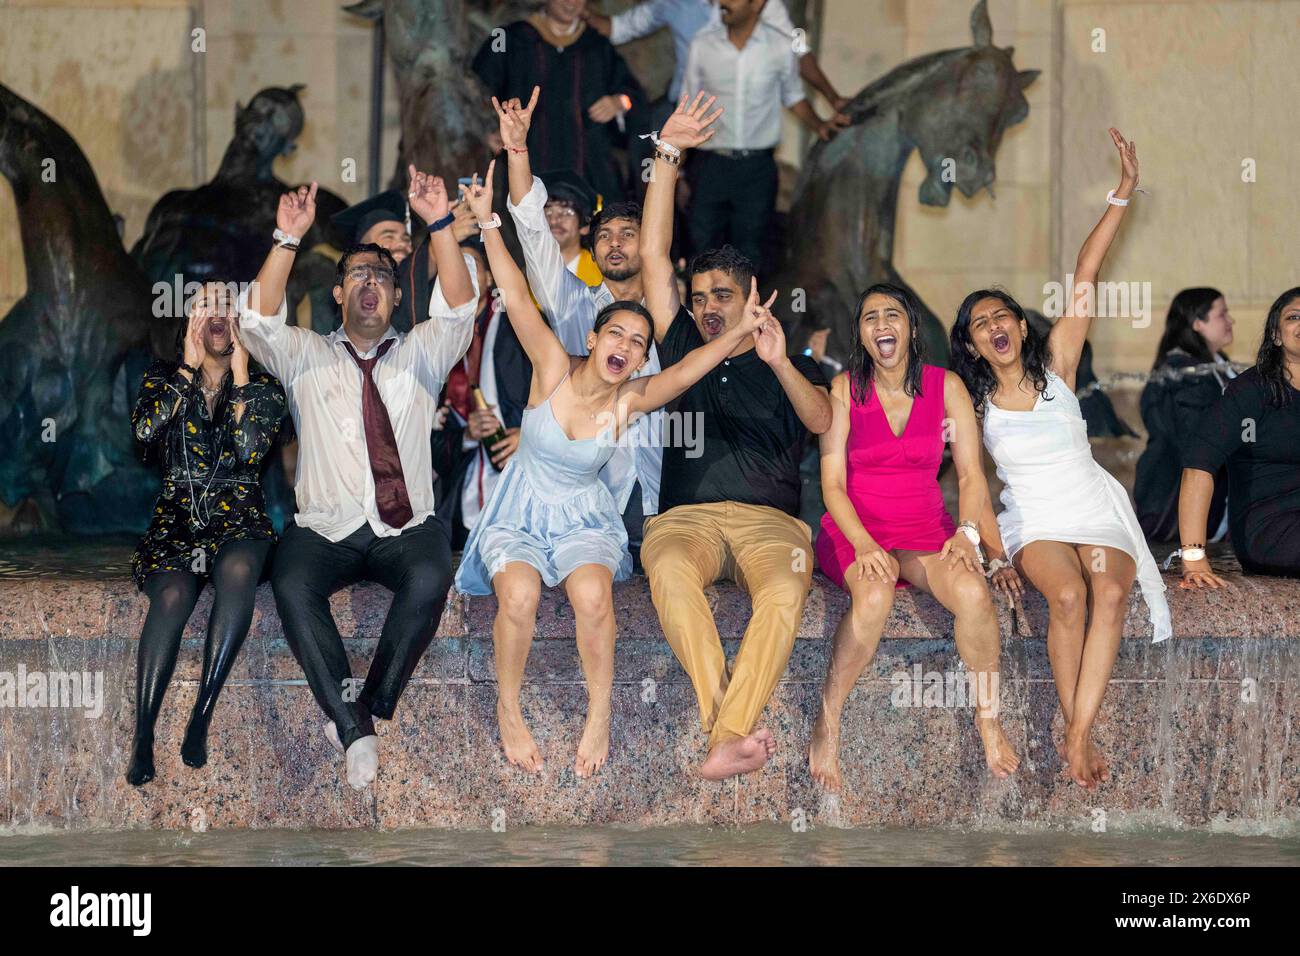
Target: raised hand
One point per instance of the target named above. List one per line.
(478, 196)
(427, 195)
(691, 123)
(515, 120)
(297, 211)
(756, 312)
(196, 327)
(1129, 162)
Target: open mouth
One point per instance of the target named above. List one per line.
(712, 325)
(217, 327)
(886, 345)
(616, 364)
(369, 301)
(1001, 342)
(615, 258)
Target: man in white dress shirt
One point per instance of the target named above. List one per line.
(364, 399)
(685, 18)
(571, 305)
(750, 67)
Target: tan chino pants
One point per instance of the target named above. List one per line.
(766, 552)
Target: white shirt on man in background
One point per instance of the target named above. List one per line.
(685, 18)
(334, 486)
(752, 84)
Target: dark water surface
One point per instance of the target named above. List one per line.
(760, 845)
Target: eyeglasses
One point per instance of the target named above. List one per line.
(560, 212)
(364, 273)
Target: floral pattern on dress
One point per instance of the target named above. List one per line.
(211, 488)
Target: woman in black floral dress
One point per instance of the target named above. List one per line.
(213, 422)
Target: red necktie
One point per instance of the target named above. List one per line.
(381, 445)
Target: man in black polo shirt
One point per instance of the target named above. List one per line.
(727, 510)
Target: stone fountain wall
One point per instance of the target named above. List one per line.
(1199, 731)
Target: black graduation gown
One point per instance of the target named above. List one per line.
(562, 136)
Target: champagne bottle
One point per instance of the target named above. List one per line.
(500, 435)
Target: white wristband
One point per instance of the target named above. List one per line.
(1191, 554)
(285, 240)
(668, 148)
(1110, 198)
(970, 532)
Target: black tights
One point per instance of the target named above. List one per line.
(172, 596)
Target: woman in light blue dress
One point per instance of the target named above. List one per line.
(551, 520)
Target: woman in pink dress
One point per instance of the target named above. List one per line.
(886, 526)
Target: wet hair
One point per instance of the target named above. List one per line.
(1188, 306)
(604, 316)
(1271, 361)
(728, 259)
(358, 249)
(623, 209)
(862, 367)
(974, 370)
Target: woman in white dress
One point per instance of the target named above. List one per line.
(1067, 524)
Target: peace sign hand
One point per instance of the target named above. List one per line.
(756, 312)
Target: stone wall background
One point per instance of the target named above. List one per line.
(1201, 85)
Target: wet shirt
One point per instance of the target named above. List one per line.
(734, 435)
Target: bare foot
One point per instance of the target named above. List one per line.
(593, 749)
(1079, 767)
(739, 755)
(998, 752)
(516, 741)
(824, 753)
(1097, 764)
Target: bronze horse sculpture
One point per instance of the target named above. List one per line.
(67, 347)
(223, 228)
(953, 106)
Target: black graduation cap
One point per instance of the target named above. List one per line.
(353, 223)
(567, 185)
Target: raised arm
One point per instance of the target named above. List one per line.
(870, 560)
(689, 126)
(550, 360)
(1068, 336)
(655, 391)
(263, 326)
(428, 198)
(810, 400)
(561, 294)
